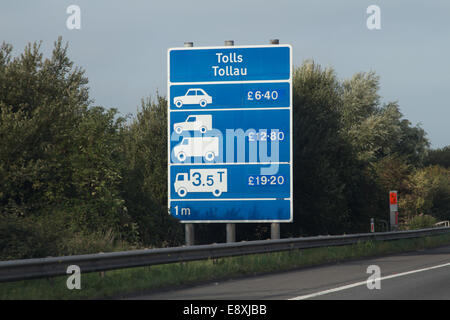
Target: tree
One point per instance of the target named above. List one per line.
(429, 193)
(320, 154)
(439, 157)
(41, 103)
(59, 156)
(393, 173)
(144, 182)
(374, 130)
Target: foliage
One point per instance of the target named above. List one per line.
(325, 170)
(144, 183)
(57, 154)
(41, 102)
(393, 173)
(429, 193)
(346, 145)
(421, 221)
(51, 235)
(439, 157)
(376, 130)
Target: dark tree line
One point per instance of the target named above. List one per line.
(78, 178)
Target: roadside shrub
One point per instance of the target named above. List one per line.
(52, 235)
(29, 237)
(421, 221)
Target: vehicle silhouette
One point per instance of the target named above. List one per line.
(201, 122)
(193, 96)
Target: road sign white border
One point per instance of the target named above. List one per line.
(233, 47)
(169, 83)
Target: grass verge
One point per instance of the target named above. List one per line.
(143, 279)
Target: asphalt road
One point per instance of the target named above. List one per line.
(415, 275)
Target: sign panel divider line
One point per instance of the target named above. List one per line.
(230, 109)
(235, 199)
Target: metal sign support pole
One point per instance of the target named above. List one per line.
(189, 227)
(274, 227)
(231, 227)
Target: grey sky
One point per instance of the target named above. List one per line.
(122, 44)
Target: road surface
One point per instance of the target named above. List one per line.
(414, 275)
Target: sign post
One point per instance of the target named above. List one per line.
(189, 237)
(275, 227)
(231, 227)
(230, 134)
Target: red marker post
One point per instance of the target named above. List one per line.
(372, 225)
(393, 206)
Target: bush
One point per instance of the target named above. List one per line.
(421, 222)
(52, 235)
(28, 237)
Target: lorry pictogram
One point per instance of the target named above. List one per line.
(201, 180)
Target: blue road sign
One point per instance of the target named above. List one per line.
(230, 134)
